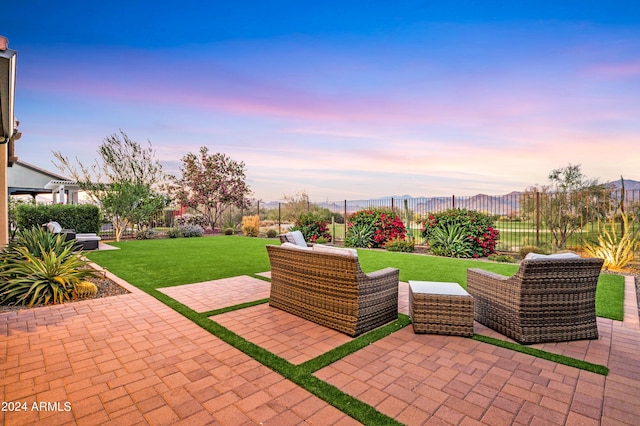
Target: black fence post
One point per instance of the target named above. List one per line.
(537, 218)
(345, 219)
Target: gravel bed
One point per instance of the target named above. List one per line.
(106, 288)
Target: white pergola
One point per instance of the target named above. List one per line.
(60, 187)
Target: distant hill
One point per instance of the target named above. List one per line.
(629, 185)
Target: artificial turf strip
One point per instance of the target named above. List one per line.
(233, 308)
(558, 359)
(349, 405)
(356, 344)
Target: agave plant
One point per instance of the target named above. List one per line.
(616, 250)
(360, 235)
(38, 241)
(450, 241)
(27, 279)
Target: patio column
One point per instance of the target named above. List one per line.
(61, 192)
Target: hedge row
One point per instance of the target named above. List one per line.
(83, 218)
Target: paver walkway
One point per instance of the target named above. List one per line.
(130, 359)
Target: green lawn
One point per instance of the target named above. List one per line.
(151, 264)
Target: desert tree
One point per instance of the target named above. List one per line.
(211, 183)
(126, 181)
(567, 203)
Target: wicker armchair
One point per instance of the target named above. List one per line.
(551, 300)
(331, 289)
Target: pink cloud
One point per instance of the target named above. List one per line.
(617, 70)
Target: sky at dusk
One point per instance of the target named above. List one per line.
(340, 99)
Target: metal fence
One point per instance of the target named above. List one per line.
(521, 217)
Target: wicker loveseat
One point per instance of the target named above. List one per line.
(547, 300)
(331, 289)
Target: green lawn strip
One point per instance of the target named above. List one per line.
(558, 359)
(610, 297)
(349, 405)
(356, 344)
(233, 308)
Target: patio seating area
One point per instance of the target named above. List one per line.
(130, 359)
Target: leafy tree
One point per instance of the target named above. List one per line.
(569, 201)
(296, 205)
(299, 204)
(126, 181)
(212, 183)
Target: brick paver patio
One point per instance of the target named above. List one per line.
(130, 359)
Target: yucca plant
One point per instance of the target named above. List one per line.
(616, 250)
(27, 279)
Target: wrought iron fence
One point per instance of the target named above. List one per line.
(544, 220)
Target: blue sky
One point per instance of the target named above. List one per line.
(344, 100)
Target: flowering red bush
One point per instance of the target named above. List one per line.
(384, 224)
(480, 236)
(312, 227)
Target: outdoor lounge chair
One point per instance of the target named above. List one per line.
(326, 286)
(56, 228)
(547, 300)
(85, 241)
(294, 237)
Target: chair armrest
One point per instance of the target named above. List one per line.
(481, 282)
(482, 273)
(383, 273)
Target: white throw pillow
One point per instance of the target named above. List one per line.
(335, 250)
(537, 256)
(54, 227)
(294, 246)
(298, 238)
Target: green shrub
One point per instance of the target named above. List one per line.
(478, 234)
(82, 218)
(189, 231)
(501, 258)
(145, 234)
(272, 233)
(312, 226)
(229, 231)
(174, 232)
(450, 241)
(38, 241)
(385, 223)
(27, 279)
(406, 245)
(359, 234)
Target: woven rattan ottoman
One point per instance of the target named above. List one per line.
(440, 308)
